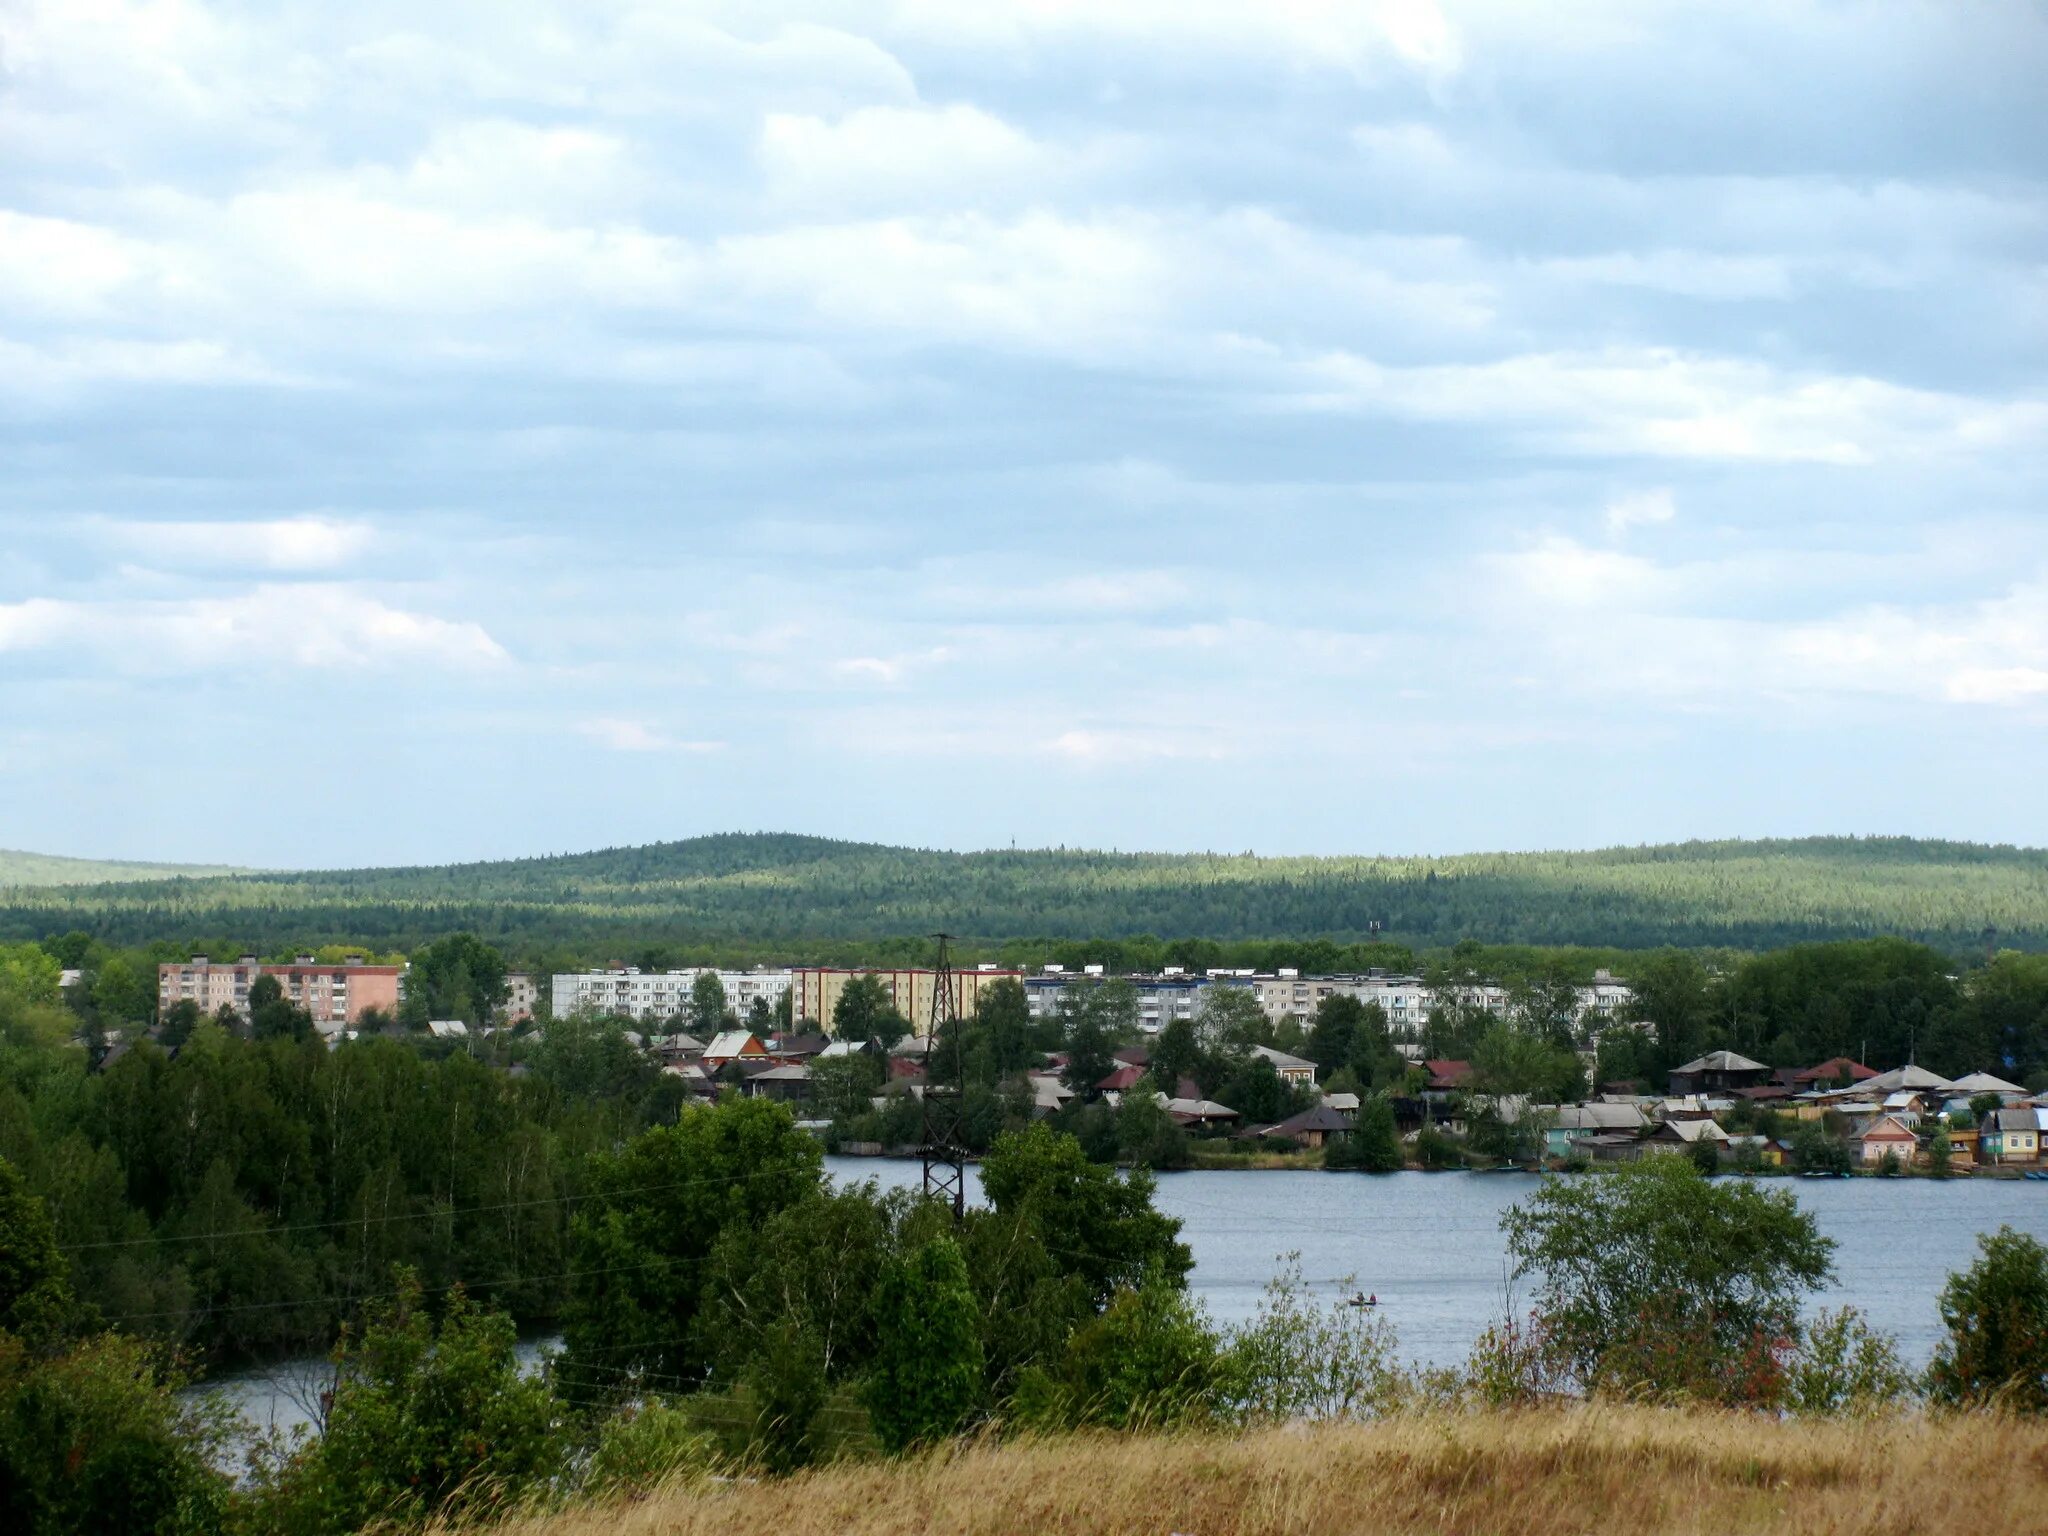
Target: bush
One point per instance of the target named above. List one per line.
(1996, 1312)
(97, 1439)
(1298, 1359)
(1815, 1151)
(1656, 1282)
(428, 1418)
(644, 1446)
(1150, 1361)
(1843, 1365)
(927, 1373)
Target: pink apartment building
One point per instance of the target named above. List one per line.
(335, 995)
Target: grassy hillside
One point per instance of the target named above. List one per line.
(780, 889)
(18, 868)
(1630, 1472)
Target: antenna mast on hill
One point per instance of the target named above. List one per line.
(945, 1160)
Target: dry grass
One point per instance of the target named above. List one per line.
(1611, 1471)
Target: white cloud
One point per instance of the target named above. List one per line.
(897, 155)
(311, 626)
(288, 544)
(1638, 509)
(618, 734)
(1118, 746)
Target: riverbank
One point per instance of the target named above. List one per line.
(1622, 1472)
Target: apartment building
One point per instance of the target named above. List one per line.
(649, 996)
(522, 996)
(1162, 998)
(814, 992)
(337, 996)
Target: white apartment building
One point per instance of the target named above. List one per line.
(651, 996)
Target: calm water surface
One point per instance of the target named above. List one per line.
(1429, 1245)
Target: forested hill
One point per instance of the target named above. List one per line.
(17, 868)
(774, 888)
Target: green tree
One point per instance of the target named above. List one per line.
(1002, 1015)
(655, 1210)
(1996, 1313)
(865, 1012)
(1815, 1151)
(1089, 1044)
(458, 977)
(1230, 1019)
(1940, 1153)
(1151, 1360)
(1375, 1139)
(927, 1372)
(1146, 1134)
(1095, 1225)
(428, 1417)
(1654, 1254)
(708, 1014)
(97, 1438)
(274, 1017)
(35, 1283)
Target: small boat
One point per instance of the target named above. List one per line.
(1362, 1300)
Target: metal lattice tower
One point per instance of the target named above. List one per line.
(945, 1159)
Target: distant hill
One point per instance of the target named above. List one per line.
(779, 889)
(49, 869)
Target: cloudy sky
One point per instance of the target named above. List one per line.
(496, 426)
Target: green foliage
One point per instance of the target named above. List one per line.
(457, 977)
(97, 1438)
(1844, 1366)
(645, 1446)
(1297, 1359)
(1146, 1134)
(927, 1373)
(430, 1416)
(35, 1284)
(657, 1207)
(1375, 1141)
(1996, 1313)
(1815, 1151)
(1150, 1361)
(865, 1012)
(707, 1006)
(1653, 1270)
(1104, 1226)
(784, 889)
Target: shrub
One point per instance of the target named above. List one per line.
(1996, 1313)
(644, 1446)
(1843, 1365)
(1151, 1360)
(1655, 1281)
(927, 1372)
(1299, 1359)
(428, 1418)
(97, 1439)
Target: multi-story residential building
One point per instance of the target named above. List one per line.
(650, 996)
(522, 996)
(814, 992)
(337, 996)
(1170, 995)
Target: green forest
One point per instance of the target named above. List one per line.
(780, 891)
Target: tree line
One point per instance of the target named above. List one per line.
(784, 890)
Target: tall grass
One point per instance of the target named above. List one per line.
(1617, 1471)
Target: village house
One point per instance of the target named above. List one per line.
(1574, 1123)
(2010, 1135)
(732, 1045)
(1291, 1069)
(1718, 1072)
(1682, 1135)
(1313, 1127)
(1886, 1134)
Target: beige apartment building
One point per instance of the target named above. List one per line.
(335, 995)
(814, 993)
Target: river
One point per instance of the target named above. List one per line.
(1429, 1246)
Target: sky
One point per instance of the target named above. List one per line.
(498, 427)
